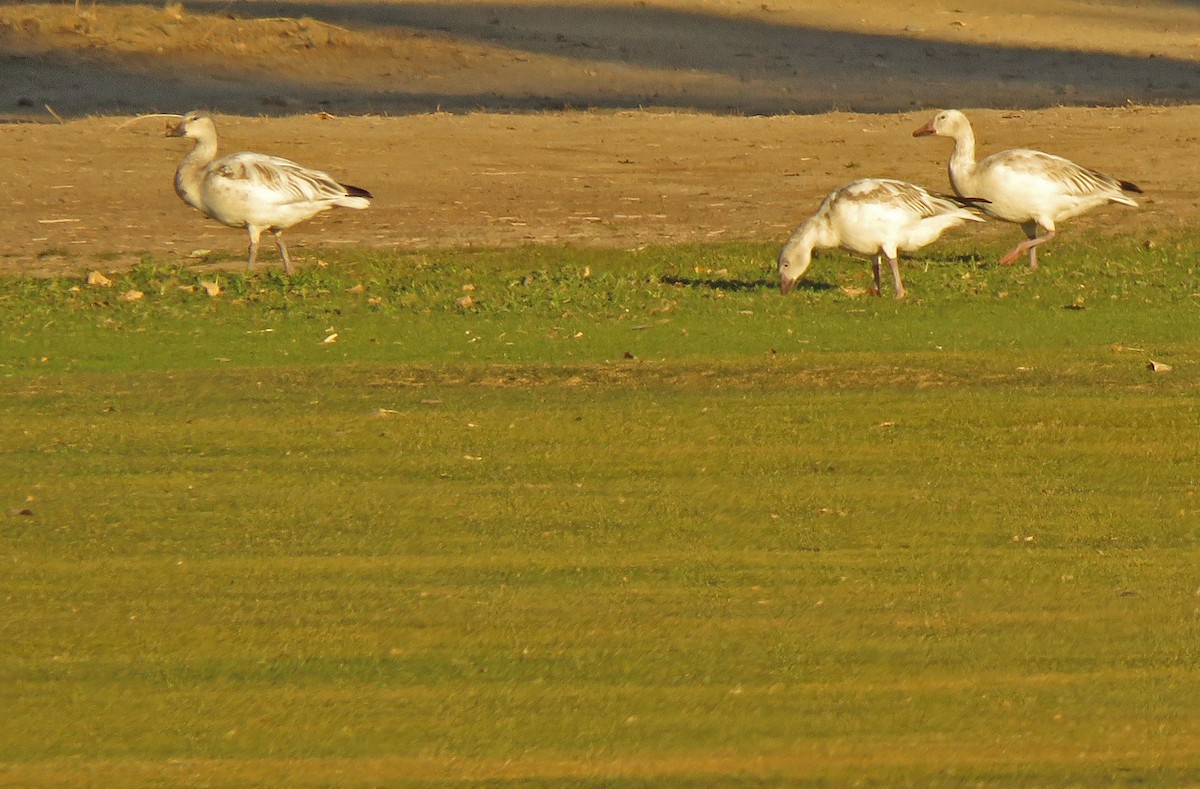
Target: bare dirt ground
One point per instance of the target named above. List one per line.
(619, 123)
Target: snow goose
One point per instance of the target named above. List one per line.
(1030, 188)
(873, 216)
(253, 190)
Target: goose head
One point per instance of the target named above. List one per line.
(947, 123)
(795, 258)
(195, 125)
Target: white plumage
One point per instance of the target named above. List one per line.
(253, 190)
(874, 216)
(1030, 188)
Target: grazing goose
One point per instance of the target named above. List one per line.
(1030, 188)
(874, 216)
(253, 190)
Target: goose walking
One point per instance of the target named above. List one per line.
(1032, 189)
(253, 190)
(874, 216)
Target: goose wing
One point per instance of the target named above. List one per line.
(1067, 177)
(273, 179)
(902, 195)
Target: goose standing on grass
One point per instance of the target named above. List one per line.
(874, 216)
(253, 190)
(1030, 188)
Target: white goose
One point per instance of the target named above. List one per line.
(253, 190)
(873, 216)
(1030, 188)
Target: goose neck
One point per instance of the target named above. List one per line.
(189, 173)
(962, 161)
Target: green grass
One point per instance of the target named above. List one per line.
(629, 518)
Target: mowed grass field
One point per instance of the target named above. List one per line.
(565, 516)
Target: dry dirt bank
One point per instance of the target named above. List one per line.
(692, 166)
(84, 189)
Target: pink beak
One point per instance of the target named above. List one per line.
(786, 285)
(925, 130)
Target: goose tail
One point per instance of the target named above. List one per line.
(972, 204)
(356, 197)
(969, 202)
(1121, 197)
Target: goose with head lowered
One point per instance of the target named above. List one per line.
(879, 217)
(253, 190)
(1033, 189)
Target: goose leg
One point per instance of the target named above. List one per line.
(255, 233)
(283, 253)
(1029, 246)
(875, 263)
(1033, 249)
(896, 276)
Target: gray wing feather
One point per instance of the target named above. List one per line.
(919, 202)
(901, 194)
(291, 182)
(1071, 177)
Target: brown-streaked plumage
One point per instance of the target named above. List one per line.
(879, 217)
(1033, 189)
(253, 190)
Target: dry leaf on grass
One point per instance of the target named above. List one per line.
(98, 280)
(1158, 367)
(211, 288)
(132, 295)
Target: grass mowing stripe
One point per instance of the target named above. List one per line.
(861, 555)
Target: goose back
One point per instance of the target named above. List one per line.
(257, 189)
(1023, 185)
(879, 214)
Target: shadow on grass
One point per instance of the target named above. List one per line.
(965, 259)
(739, 285)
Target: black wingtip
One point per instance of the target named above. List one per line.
(967, 202)
(354, 191)
(1126, 186)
